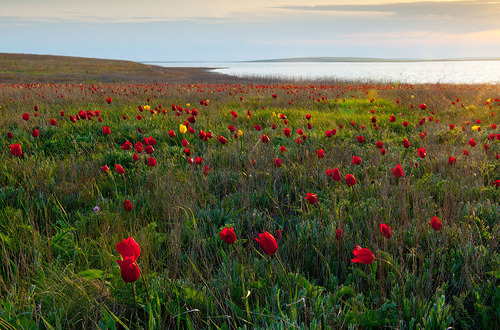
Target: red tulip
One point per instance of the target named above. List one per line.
(128, 248)
(53, 122)
(135, 157)
(321, 153)
(119, 169)
(106, 130)
(311, 198)
(436, 223)
(406, 143)
(228, 236)
(171, 133)
(360, 139)
(277, 235)
(185, 143)
(126, 146)
(336, 174)
(472, 143)
(385, 230)
(265, 139)
(257, 127)
(452, 160)
(465, 152)
(35, 133)
(206, 170)
(127, 205)
(496, 183)
(405, 124)
(105, 169)
(187, 152)
(198, 160)
(149, 141)
(452, 127)
(10, 135)
(300, 132)
(109, 100)
(26, 116)
(149, 149)
(350, 180)
(382, 151)
(309, 126)
(282, 149)
(267, 242)
(356, 160)
(422, 106)
(308, 117)
(422, 152)
(15, 150)
(392, 119)
(287, 132)
(130, 251)
(129, 270)
(139, 147)
(364, 256)
(151, 162)
(339, 234)
(398, 171)
(277, 162)
(222, 139)
(380, 144)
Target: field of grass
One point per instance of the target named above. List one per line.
(62, 215)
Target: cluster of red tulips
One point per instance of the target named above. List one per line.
(130, 250)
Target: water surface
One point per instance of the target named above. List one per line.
(452, 72)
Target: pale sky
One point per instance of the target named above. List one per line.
(226, 30)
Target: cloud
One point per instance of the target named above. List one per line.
(16, 20)
(421, 9)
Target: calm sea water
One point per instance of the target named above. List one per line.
(453, 72)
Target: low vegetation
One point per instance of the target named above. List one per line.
(414, 246)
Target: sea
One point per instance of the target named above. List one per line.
(423, 72)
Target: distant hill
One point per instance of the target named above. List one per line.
(363, 59)
(51, 68)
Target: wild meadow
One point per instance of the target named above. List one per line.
(374, 205)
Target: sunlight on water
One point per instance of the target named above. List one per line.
(454, 72)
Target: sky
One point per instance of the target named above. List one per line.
(232, 30)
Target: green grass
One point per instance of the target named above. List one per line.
(58, 266)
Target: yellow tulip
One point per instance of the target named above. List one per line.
(475, 128)
(147, 107)
(182, 129)
(240, 132)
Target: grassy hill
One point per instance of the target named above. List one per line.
(50, 68)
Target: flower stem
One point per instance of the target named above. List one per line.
(145, 284)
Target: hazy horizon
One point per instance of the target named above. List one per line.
(223, 30)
